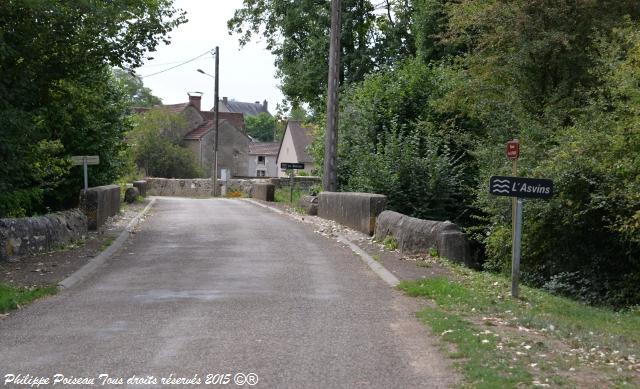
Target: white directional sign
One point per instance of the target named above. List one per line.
(88, 159)
(85, 160)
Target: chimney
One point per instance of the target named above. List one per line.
(264, 106)
(224, 100)
(195, 99)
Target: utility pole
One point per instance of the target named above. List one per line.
(330, 176)
(214, 177)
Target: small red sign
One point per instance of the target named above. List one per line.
(513, 149)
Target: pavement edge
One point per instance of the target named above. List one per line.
(90, 268)
(374, 265)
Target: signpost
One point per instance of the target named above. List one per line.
(291, 167)
(85, 160)
(518, 188)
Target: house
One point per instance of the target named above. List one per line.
(294, 147)
(249, 109)
(262, 159)
(199, 137)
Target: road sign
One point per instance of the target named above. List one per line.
(289, 165)
(521, 187)
(90, 159)
(85, 160)
(513, 149)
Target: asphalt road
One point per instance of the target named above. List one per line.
(226, 287)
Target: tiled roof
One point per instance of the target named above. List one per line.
(251, 109)
(200, 131)
(264, 148)
(176, 108)
(234, 118)
(301, 140)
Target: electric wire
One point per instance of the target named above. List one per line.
(181, 64)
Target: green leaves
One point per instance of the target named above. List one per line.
(57, 92)
(261, 127)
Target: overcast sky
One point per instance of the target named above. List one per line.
(246, 74)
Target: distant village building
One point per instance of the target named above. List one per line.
(199, 136)
(249, 109)
(262, 155)
(262, 159)
(294, 147)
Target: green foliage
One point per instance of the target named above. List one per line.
(56, 86)
(297, 34)
(392, 143)
(390, 243)
(283, 195)
(139, 95)
(261, 127)
(155, 146)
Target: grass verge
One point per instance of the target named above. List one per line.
(14, 297)
(539, 340)
(283, 195)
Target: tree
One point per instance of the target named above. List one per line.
(139, 95)
(261, 127)
(297, 33)
(155, 145)
(56, 88)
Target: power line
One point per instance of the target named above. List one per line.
(181, 64)
(151, 65)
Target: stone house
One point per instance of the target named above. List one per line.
(262, 159)
(294, 147)
(199, 136)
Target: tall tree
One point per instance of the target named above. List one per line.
(297, 33)
(55, 59)
(139, 95)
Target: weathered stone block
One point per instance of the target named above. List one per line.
(180, 187)
(131, 194)
(265, 192)
(417, 236)
(309, 204)
(142, 187)
(355, 210)
(30, 235)
(99, 203)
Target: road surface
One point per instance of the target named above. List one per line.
(218, 286)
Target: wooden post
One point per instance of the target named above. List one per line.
(214, 176)
(330, 175)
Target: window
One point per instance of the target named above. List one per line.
(260, 173)
(260, 159)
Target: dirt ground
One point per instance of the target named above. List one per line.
(50, 268)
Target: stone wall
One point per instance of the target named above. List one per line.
(179, 187)
(31, 235)
(417, 236)
(355, 210)
(201, 187)
(100, 203)
(265, 192)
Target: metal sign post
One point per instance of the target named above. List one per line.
(519, 188)
(517, 244)
(513, 153)
(85, 160)
(291, 167)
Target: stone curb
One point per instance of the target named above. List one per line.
(85, 271)
(377, 268)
